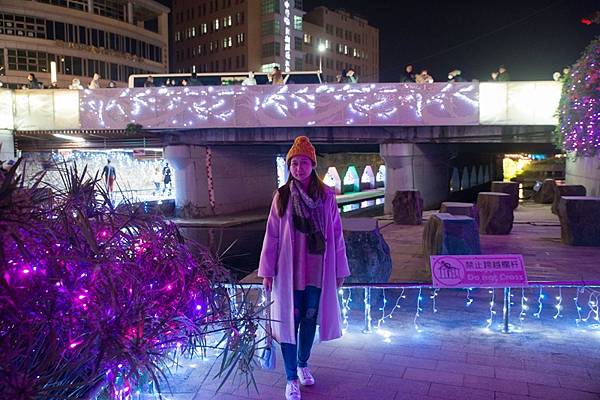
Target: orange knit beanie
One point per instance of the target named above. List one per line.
(302, 147)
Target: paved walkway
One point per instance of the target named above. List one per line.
(453, 357)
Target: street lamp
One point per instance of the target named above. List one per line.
(321, 48)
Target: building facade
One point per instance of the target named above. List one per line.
(114, 38)
(336, 40)
(237, 35)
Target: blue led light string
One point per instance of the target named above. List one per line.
(389, 315)
(490, 320)
(540, 304)
(469, 298)
(419, 309)
(558, 306)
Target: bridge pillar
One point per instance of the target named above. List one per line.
(7, 145)
(416, 166)
(221, 180)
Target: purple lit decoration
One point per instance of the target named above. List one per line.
(578, 130)
(94, 299)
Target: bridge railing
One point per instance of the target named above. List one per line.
(379, 104)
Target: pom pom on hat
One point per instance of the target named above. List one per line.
(302, 147)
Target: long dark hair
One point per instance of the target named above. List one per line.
(316, 189)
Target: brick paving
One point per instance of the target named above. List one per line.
(453, 357)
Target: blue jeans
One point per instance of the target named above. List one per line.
(306, 307)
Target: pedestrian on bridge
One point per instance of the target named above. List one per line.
(303, 263)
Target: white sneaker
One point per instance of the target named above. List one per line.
(292, 391)
(305, 376)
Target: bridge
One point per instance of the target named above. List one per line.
(424, 133)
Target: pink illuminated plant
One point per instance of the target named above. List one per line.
(94, 299)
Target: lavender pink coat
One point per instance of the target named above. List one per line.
(276, 261)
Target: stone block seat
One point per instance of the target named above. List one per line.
(579, 220)
(566, 190)
(495, 213)
(456, 208)
(546, 192)
(510, 188)
(408, 207)
(450, 234)
(368, 254)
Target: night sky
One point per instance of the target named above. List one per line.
(533, 38)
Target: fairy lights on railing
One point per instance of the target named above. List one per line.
(524, 306)
(490, 320)
(469, 298)
(419, 309)
(540, 304)
(558, 306)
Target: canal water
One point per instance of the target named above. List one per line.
(239, 247)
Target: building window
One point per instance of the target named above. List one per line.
(243, 60)
(203, 29)
(216, 24)
(270, 28)
(329, 29)
(307, 38)
(268, 7)
(271, 49)
(227, 21)
(29, 60)
(239, 18)
(297, 23)
(239, 39)
(298, 66)
(227, 42)
(298, 43)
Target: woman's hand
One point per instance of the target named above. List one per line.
(339, 282)
(268, 284)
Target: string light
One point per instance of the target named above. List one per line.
(389, 315)
(593, 305)
(419, 309)
(577, 306)
(469, 298)
(490, 320)
(432, 297)
(524, 306)
(558, 306)
(345, 307)
(231, 107)
(540, 304)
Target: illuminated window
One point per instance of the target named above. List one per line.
(307, 38)
(297, 23)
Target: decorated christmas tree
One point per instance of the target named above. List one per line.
(96, 300)
(578, 129)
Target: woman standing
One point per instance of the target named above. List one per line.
(303, 262)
